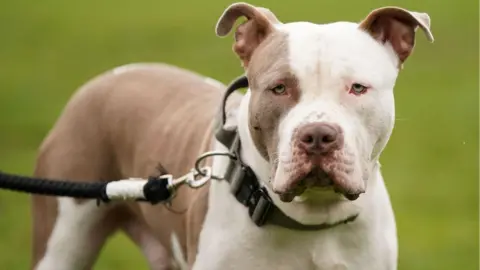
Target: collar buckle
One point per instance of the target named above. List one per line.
(259, 206)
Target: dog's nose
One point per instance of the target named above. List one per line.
(320, 138)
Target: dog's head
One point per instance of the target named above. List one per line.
(321, 106)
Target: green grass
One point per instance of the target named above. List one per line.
(49, 48)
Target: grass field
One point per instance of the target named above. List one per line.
(48, 48)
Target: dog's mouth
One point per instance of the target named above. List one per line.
(316, 179)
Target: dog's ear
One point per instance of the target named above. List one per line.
(250, 33)
(397, 26)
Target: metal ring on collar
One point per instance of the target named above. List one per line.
(201, 172)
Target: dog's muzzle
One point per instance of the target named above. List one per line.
(318, 160)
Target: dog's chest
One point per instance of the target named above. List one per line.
(268, 248)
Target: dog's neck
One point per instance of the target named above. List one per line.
(317, 208)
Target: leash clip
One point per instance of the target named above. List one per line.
(189, 179)
(205, 172)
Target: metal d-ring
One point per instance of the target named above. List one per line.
(202, 172)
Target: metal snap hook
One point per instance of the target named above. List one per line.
(207, 175)
(174, 183)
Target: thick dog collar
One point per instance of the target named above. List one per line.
(244, 184)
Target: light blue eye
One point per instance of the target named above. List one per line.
(279, 89)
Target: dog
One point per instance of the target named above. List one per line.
(318, 112)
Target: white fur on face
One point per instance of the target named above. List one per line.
(327, 59)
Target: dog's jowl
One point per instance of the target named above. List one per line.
(317, 115)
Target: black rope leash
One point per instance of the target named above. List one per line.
(153, 190)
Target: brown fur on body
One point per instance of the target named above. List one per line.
(124, 124)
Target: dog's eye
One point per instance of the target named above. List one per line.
(279, 89)
(358, 89)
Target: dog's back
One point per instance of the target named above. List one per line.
(127, 122)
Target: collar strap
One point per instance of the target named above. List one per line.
(244, 184)
(223, 134)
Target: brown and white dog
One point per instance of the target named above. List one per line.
(318, 113)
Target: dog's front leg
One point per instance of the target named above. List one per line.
(80, 231)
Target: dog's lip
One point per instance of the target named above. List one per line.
(311, 180)
(319, 174)
(289, 195)
(303, 182)
(317, 177)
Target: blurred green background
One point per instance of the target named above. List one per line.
(49, 48)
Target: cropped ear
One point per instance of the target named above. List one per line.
(250, 33)
(397, 26)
